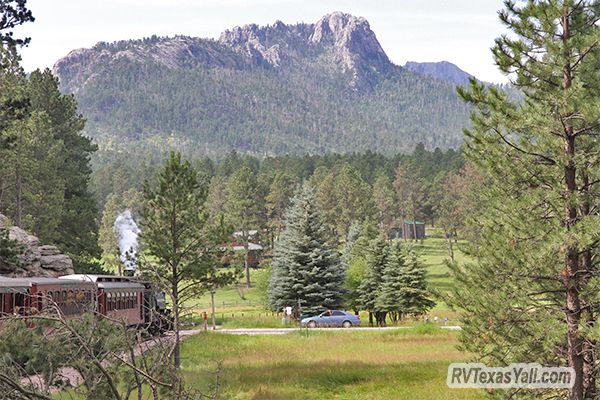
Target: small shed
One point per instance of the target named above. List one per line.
(409, 228)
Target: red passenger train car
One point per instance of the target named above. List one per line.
(119, 298)
(20, 296)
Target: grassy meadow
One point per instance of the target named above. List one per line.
(408, 363)
(395, 364)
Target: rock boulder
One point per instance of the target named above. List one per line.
(36, 259)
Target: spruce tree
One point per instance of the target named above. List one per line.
(306, 271)
(531, 295)
(370, 287)
(412, 282)
(391, 294)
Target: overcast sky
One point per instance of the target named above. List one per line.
(459, 31)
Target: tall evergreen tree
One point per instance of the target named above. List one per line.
(391, 297)
(108, 237)
(244, 207)
(278, 200)
(410, 192)
(13, 13)
(306, 271)
(174, 235)
(413, 295)
(532, 293)
(370, 287)
(78, 228)
(383, 195)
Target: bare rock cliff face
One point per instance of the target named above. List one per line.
(36, 259)
(355, 46)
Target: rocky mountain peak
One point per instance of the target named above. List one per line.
(355, 46)
(348, 39)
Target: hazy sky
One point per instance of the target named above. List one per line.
(459, 31)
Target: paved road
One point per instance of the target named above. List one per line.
(282, 331)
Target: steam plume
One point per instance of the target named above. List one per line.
(127, 231)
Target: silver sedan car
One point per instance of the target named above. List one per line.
(332, 318)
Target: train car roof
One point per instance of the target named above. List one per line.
(13, 285)
(53, 281)
(99, 278)
(120, 285)
(107, 282)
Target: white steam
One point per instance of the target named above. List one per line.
(127, 232)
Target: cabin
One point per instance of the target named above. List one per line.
(254, 252)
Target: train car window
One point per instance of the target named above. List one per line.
(2, 311)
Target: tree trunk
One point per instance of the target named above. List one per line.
(450, 245)
(212, 306)
(19, 196)
(589, 345)
(176, 345)
(572, 277)
(246, 265)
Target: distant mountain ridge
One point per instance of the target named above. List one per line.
(327, 86)
(442, 70)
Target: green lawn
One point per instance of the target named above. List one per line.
(398, 364)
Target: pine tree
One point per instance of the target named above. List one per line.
(383, 195)
(531, 295)
(306, 272)
(174, 236)
(392, 291)
(370, 287)
(413, 295)
(410, 193)
(107, 235)
(243, 208)
(77, 231)
(14, 14)
(281, 192)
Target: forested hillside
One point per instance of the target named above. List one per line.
(316, 88)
